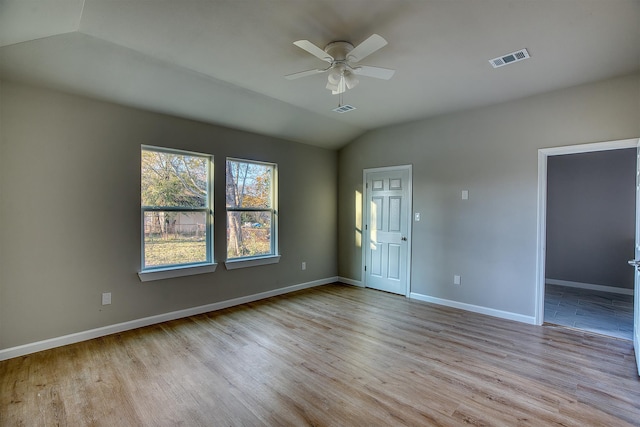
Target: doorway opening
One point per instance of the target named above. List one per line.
(584, 241)
(590, 238)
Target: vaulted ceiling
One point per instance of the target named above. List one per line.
(223, 61)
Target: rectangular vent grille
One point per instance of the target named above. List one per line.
(344, 108)
(509, 58)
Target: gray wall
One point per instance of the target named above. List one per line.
(591, 217)
(69, 203)
(70, 214)
(490, 239)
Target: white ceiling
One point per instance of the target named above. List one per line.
(223, 61)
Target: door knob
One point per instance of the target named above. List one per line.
(405, 239)
(634, 262)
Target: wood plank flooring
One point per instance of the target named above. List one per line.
(334, 355)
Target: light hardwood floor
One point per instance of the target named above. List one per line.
(334, 355)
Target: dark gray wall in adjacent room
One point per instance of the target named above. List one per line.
(590, 217)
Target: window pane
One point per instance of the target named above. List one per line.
(173, 180)
(248, 185)
(174, 237)
(248, 234)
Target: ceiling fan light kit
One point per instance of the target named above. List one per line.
(343, 57)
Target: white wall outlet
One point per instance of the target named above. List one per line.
(417, 216)
(304, 265)
(106, 298)
(456, 279)
(465, 194)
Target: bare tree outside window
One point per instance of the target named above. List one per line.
(175, 205)
(250, 209)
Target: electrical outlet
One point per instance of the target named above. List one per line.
(304, 265)
(456, 279)
(106, 298)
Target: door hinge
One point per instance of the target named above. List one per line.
(366, 226)
(366, 185)
(365, 268)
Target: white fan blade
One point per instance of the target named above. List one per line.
(303, 74)
(313, 50)
(377, 72)
(366, 48)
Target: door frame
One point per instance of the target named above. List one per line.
(365, 216)
(543, 155)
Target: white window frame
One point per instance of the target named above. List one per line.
(274, 256)
(185, 269)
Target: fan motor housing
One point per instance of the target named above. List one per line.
(339, 50)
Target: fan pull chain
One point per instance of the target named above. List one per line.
(341, 89)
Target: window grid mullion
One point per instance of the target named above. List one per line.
(229, 209)
(173, 209)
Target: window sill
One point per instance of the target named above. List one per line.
(168, 273)
(251, 262)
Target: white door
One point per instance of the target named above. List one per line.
(636, 262)
(387, 228)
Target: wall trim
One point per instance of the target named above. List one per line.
(475, 308)
(351, 282)
(590, 286)
(47, 344)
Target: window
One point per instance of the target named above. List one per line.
(176, 203)
(251, 212)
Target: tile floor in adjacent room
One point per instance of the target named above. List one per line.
(595, 311)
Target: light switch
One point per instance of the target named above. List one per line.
(465, 194)
(106, 298)
(417, 216)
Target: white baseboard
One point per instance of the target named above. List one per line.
(351, 282)
(475, 308)
(590, 286)
(22, 350)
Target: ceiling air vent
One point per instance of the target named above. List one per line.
(509, 58)
(344, 108)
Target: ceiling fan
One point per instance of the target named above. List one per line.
(343, 59)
